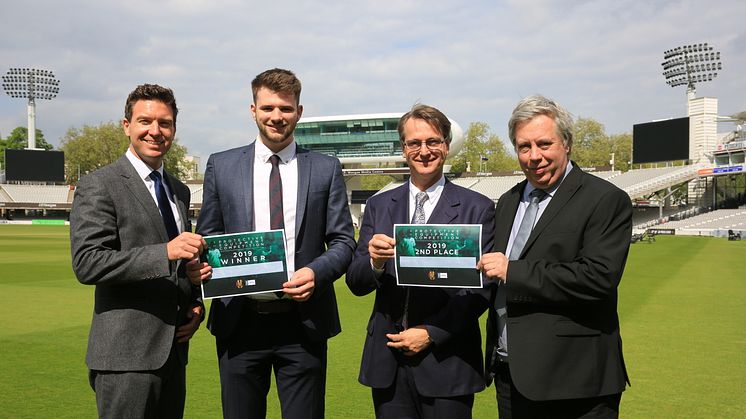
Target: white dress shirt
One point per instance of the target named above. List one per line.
(143, 170)
(289, 173)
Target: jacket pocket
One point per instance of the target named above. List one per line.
(570, 328)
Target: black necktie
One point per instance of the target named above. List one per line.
(276, 216)
(164, 205)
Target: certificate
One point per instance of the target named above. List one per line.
(245, 263)
(438, 255)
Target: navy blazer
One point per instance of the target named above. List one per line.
(323, 230)
(452, 364)
(563, 328)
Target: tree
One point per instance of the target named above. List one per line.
(621, 146)
(90, 147)
(591, 146)
(483, 151)
(375, 182)
(18, 140)
(740, 117)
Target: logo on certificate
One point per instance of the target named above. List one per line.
(431, 275)
(239, 283)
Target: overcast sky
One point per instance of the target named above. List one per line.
(472, 59)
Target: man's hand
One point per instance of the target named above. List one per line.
(494, 265)
(411, 341)
(185, 246)
(301, 284)
(381, 249)
(186, 331)
(198, 272)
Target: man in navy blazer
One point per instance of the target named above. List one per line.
(553, 343)
(288, 334)
(433, 367)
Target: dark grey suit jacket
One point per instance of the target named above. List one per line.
(118, 243)
(323, 230)
(452, 365)
(563, 328)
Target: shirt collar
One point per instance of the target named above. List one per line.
(431, 191)
(143, 170)
(529, 187)
(263, 153)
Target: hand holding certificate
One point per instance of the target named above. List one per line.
(245, 263)
(438, 255)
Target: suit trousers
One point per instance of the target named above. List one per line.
(513, 405)
(401, 401)
(261, 344)
(141, 394)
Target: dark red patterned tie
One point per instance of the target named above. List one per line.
(276, 216)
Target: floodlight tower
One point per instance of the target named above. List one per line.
(691, 64)
(31, 83)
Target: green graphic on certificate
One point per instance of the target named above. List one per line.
(438, 255)
(245, 263)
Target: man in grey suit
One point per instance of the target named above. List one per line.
(286, 333)
(130, 236)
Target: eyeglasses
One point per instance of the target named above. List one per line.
(431, 144)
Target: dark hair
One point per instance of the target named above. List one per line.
(435, 118)
(150, 92)
(277, 80)
(531, 107)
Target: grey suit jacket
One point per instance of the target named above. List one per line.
(563, 327)
(323, 230)
(118, 243)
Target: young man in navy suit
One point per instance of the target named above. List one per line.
(422, 355)
(259, 334)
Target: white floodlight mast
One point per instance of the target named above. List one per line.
(690, 64)
(31, 83)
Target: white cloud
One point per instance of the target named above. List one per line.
(474, 60)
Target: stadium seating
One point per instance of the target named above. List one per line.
(45, 194)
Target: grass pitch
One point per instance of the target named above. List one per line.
(682, 311)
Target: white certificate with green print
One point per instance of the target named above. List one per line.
(438, 255)
(245, 263)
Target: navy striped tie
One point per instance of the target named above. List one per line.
(276, 216)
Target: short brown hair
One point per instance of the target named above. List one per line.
(277, 80)
(435, 118)
(150, 92)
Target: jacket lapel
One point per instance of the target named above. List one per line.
(399, 206)
(304, 182)
(508, 206)
(140, 193)
(447, 208)
(246, 163)
(562, 196)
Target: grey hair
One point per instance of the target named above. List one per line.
(532, 106)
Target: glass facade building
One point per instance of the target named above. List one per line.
(366, 138)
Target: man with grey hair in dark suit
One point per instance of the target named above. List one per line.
(561, 242)
(130, 237)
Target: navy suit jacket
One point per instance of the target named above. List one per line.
(323, 230)
(563, 328)
(452, 364)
